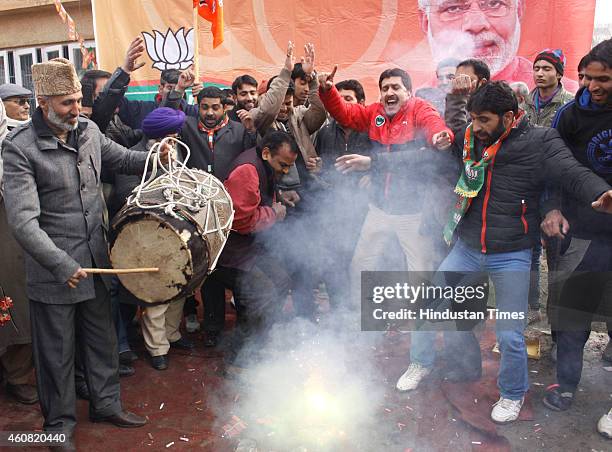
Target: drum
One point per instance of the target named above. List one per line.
(177, 222)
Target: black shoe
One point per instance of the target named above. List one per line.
(127, 357)
(82, 391)
(25, 394)
(183, 343)
(557, 400)
(159, 362)
(126, 371)
(212, 338)
(124, 419)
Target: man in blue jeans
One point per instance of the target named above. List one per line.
(506, 163)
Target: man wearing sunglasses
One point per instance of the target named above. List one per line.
(16, 103)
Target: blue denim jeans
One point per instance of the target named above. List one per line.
(509, 273)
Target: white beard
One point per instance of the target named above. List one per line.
(461, 45)
(57, 122)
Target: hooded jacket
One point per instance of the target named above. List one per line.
(586, 128)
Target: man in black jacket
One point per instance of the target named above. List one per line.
(506, 163)
(585, 124)
(340, 209)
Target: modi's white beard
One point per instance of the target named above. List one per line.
(461, 45)
(59, 123)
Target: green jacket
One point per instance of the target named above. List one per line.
(545, 116)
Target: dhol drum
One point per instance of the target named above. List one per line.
(178, 221)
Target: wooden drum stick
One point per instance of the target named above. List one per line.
(120, 271)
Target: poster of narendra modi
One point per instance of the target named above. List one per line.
(362, 37)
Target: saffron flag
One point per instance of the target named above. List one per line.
(212, 11)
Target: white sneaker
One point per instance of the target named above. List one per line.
(191, 323)
(506, 410)
(604, 426)
(412, 377)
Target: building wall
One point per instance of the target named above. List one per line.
(28, 24)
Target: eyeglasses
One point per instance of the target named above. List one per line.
(21, 101)
(451, 10)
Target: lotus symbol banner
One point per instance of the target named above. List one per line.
(172, 50)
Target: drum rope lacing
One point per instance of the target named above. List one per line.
(180, 187)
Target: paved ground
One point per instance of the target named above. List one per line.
(188, 405)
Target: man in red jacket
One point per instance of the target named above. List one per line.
(402, 128)
(259, 282)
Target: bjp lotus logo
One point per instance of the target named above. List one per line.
(172, 50)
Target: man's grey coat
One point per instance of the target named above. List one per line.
(54, 204)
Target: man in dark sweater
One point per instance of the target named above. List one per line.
(506, 163)
(583, 274)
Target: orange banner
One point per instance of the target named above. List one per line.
(363, 37)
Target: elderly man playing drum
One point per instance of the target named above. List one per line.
(54, 207)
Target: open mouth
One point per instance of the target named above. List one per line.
(391, 102)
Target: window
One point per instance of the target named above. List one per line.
(4, 78)
(76, 57)
(24, 59)
(52, 52)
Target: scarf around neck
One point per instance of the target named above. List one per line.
(540, 102)
(211, 132)
(472, 176)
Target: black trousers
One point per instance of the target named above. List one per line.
(260, 294)
(57, 332)
(213, 301)
(585, 297)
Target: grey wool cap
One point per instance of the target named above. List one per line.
(11, 90)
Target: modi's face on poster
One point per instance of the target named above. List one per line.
(489, 30)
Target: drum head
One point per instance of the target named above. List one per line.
(148, 242)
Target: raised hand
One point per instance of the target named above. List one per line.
(196, 88)
(134, 51)
(326, 80)
(186, 79)
(290, 60)
(308, 60)
(246, 120)
(464, 85)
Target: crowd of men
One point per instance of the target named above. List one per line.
(471, 175)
